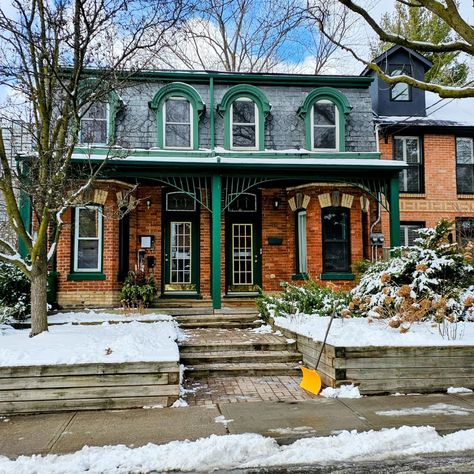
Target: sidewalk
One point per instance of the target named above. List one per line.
(286, 421)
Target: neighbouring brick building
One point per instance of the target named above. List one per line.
(236, 182)
(435, 137)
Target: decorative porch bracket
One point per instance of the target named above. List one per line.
(235, 186)
(195, 187)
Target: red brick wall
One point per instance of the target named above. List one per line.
(440, 199)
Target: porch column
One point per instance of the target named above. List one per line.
(216, 191)
(394, 203)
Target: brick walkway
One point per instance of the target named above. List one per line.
(212, 390)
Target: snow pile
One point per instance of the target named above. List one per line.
(358, 332)
(459, 390)
(180, 403)
(344, 391)
(245, 451)
(104, 343)
(93, 316)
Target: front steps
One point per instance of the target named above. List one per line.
(237, 352)
(239, 319)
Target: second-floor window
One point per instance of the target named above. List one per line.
(408, 149)
(94, 124)
(464, 165)
(400, 92)
(244, 125)
(177, 130)
(324, 126)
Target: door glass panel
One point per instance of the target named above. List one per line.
(242, 248)
(180, 252)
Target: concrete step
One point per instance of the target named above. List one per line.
(232, 369)
(220, 324)
(238, 357)
(186, 347)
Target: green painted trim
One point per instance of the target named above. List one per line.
(216, 245)
(177, 89)
(121, 153)
(394, 214)
(25, 213)
(337, 276)
(86, 276)
(212, 113)
(115, 106)
(202, 77)
(250, 92)
(343, 107)
(300, 277)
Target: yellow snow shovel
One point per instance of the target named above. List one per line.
(311, 381)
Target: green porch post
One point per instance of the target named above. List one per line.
(394, 203)
(216, 190)
(25, 213)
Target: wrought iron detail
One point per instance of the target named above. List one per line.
(234, 186)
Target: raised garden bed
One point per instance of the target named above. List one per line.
(389, 369)
(32, 389)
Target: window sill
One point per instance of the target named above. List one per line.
(337, 276)
(300, 276)
(465, 196)
(412, 195)
(86, 276)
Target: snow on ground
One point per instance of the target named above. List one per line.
(358, 332)
(104, 343)
(435, 409)
(245, 451)
(459, 390)
(344, 391)
(94, 316)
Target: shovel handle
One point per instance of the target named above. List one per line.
(325, 338)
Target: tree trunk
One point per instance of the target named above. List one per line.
(39, 288)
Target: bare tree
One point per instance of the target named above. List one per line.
(236, 35)
(47, 51)
(447, 11)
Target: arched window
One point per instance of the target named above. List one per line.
(178, 107)
(324, 112)
(244, 108)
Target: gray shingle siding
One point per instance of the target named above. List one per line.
(136, 124)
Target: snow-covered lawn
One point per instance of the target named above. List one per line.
(103, 343)
(358, 332)
(94, 316)
(245, 451)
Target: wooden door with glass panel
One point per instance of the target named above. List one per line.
(243, 241)
(181, 244)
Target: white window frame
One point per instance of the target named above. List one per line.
(404, 153)
(107, 127)
(405, 228)
(336, 126)
(255, 123)
(191, 124)
(302, 241)
(98, 238)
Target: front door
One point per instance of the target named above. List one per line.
(243, 242)
(180, 245)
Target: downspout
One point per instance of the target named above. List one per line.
(211, 112)
(379, 207)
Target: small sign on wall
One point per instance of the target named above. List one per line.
(147, 241)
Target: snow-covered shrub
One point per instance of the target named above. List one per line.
(308, 298)
(14, 293)
(425, 282)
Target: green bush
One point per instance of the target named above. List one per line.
(138, 290)
(14, 293)
(308, 298)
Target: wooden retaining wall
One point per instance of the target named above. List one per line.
(390, 369)
(33, 389)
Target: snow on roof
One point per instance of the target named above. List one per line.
(439, 112)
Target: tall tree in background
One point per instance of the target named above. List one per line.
(38, 39)
(446, 12)
(235, 35)
(421, 24)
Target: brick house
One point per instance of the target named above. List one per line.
(435, 137)
(239, 182)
